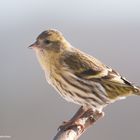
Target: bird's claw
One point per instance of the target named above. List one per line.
(69, 124)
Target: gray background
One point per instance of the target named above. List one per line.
(110, 30)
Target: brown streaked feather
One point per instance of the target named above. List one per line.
(91, 69)
(81, 64)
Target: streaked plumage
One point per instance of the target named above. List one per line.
(77, 76)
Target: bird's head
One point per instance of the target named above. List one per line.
(51, 41)
(49, 45)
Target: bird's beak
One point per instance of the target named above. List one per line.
(33, 45)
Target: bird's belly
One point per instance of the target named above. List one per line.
(72, 92)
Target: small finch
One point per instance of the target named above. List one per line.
(77, 76)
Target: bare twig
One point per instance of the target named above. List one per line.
(73, 132)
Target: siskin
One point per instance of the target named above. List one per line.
(77, 76)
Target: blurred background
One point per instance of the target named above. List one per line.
(30, 109)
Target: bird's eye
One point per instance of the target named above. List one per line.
(47, 41)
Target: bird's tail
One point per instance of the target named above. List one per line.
(137, 91)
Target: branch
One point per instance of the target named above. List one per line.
(73, 132)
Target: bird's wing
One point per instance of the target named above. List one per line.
(89, 68)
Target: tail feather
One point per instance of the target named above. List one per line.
(137, 91)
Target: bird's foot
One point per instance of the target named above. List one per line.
(95, 115)
(70, 124)
(79, 119)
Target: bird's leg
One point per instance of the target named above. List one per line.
(94, 115)
(74, 120)
(80, 111)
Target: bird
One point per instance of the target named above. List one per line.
(79, 77)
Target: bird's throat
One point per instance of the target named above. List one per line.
(42, 57)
